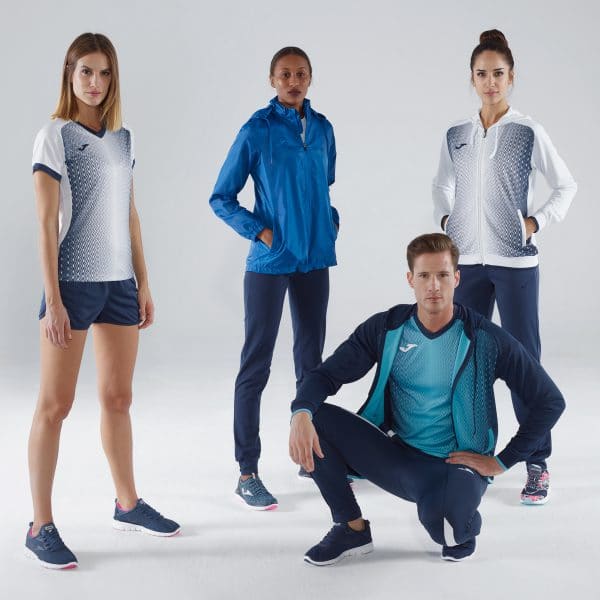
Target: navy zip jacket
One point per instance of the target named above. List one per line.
(291, 187)
(486, 352)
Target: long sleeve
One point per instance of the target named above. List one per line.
(444, 184)
(351, 360)
(331, 160)
(525, 376)
(233, 176)
(547, 161)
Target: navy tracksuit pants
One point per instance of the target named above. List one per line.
(516, 291)
(447, 496)
(263, 306)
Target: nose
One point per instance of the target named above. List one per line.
(435, 283)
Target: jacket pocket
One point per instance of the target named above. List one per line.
(523, 228)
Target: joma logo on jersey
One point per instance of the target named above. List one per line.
(82, 147)
(407, 347)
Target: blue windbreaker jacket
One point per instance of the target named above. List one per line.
(291, 186)
(486, 352)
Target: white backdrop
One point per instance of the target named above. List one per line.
(389, 75)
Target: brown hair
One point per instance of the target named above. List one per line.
(88, 43)
(494, 40)
(289, 51)
(431, 243)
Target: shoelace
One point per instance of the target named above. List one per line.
(147, 511)
(330, 535)
(52, 540)
(533, 477)
(256, 486)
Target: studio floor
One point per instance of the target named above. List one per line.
(184, 467)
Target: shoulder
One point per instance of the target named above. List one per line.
(51, 130)
(519, 119)
(459, 126)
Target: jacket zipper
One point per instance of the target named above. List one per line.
(455, 383)
(480, 199)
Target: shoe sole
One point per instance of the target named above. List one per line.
(358, 551)
(121, 526)
(529, 502)
(268, 507)
(70, 565)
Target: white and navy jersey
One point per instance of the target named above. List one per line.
(485, 183)
(95, 174)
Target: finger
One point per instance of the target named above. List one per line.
(68, 334)
(317, 447)
(309, 463)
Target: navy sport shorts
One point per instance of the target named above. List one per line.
(90, 302)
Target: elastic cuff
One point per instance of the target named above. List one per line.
(501, 463)
(302, 410)
(537, 225)
(540, 220)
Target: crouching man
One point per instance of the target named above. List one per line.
(428, 430)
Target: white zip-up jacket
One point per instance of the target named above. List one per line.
(485, 184)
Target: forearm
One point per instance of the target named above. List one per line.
(48, 249)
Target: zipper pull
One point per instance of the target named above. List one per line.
(485, 133)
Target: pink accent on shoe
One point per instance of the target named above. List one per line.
(69, 567)
(272, 507)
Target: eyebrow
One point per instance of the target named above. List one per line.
(91, 69)
(495, 69)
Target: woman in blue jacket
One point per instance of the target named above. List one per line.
(289, 151)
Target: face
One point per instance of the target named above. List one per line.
(491, 77)
(433, 279)
(91, 79)
(291, 78)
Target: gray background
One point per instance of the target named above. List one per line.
(391, 76)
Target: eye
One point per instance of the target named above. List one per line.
(301, 75)
(480, 74)
(85, 71)
(498, 73)
(105, 73)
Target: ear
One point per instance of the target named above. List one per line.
(511, 77)
(410, 277)
(456, 278)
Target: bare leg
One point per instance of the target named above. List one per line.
(59, 371)
(116, 347)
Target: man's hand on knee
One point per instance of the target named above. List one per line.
(303, 441)
(486, 466)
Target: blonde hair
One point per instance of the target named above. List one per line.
(88, 43)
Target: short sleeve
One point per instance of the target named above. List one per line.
(131, 147)
(48, 152)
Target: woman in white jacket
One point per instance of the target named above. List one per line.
(483, 199)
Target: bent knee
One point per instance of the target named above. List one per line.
(118, 402)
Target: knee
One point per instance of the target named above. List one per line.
(116, 401)
(53, 410)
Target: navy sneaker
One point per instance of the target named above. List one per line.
(340, 541)
(537, 487)
(48, 548)
(142, 517)
(255, 495)
(460, 552)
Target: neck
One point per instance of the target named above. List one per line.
(433, 322)
(89, 116)
(492, 114)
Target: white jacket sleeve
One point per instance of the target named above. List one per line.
(545, 159)
(444, 184)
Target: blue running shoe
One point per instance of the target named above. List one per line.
(255, 495)
(304, 474)
(460, 552)
(142, 517)
(48, 548)
(341, 541)
(537, 486)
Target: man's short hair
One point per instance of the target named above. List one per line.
(429, 243)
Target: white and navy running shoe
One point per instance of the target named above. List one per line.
(537, 486)
(459, 552)
(142, 517)
(48, 548)
(255, 495)
(341, 541)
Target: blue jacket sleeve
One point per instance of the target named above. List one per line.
(331, 158)
(352, 360)
(239, 163)
(544, 402)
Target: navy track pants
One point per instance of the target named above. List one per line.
(516, 291)
(447, 496)
(263, 304)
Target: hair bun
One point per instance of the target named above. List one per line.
(493, 36)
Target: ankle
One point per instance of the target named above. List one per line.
(127, 503)
(357, 524)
